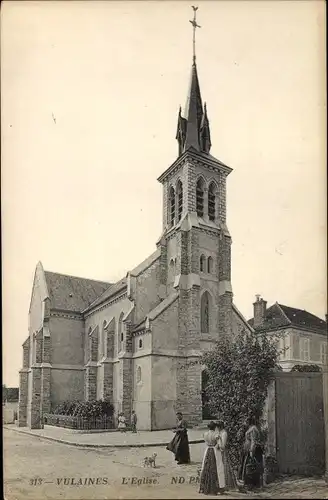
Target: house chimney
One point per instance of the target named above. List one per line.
(259, 311)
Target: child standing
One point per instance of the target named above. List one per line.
(134, 421)
(121, 422)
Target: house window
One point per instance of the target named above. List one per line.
(282, 348)
(179, 199)
(202, 262)
(205, 313)
(140, 343)
(211, 201)
(138, 375)
(209, 265)
(172, 206)
(200, 198)
(323, 353)
(305, 349)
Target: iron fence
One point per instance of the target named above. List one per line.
(77, 422)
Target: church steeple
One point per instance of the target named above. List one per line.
(193, 128)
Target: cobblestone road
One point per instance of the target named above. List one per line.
(37, 469)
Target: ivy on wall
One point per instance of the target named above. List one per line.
(238, 376)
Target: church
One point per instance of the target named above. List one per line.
(138, 342)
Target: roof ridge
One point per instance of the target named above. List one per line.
(78, 277)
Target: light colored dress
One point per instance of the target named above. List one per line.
(230, 479)
(212, 477)
(121, 423)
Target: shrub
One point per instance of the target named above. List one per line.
(306, 368)
(86, 409)
(239, 373)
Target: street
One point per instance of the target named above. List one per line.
(39, 469)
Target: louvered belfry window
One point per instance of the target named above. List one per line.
(172, 206)
(200, 198)
(180, 199)
(211, 202)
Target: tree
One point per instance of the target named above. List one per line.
(239, 373)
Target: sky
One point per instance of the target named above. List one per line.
(90, 93)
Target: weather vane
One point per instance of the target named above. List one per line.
(194, 25)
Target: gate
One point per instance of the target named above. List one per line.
(300, 435)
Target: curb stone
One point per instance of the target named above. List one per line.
(88, 445)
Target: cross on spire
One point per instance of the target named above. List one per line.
(194, 25)
(193, 129)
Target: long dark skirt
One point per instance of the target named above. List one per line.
(180, 447)
(251, 468)
(209, 482)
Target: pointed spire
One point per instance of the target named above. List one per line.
(193, 127)
(193, 111)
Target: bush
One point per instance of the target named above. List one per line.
(239, 373)
(306, 368)
(85, 409)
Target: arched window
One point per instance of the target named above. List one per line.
(172, 206)
(211, 201)
(120, 331)
(209, 265)
(179, 199)
(89, 344)
(104, 339)
(140, 343)
(205, 313)
(200, 197)
(202, 262)
(138, 375)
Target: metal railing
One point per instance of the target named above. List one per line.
(77, 422)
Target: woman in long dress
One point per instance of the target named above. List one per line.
(212, 478)
(251, 464)
(230, 479)
(180, 444)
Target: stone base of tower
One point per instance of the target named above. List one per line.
(161, 415)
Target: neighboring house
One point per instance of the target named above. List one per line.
(139, 341)
(10, 405)
(303, 336)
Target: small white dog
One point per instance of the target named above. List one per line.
(150, 461)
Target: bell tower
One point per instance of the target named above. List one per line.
(195, 242)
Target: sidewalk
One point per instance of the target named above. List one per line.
(106, 439)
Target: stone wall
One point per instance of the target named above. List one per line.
(67, 384)
(147, 290)
(67, 339)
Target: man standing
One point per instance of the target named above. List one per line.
(133, 421)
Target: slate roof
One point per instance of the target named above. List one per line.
(70, 293)
(279, 315)
(112, 290)
(304, 318)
